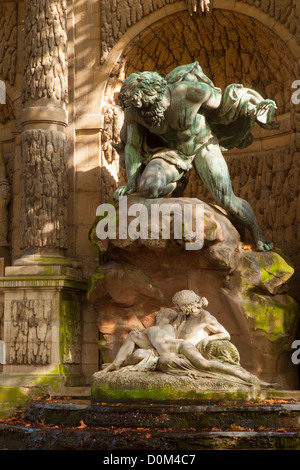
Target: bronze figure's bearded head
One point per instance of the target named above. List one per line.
(144, 91)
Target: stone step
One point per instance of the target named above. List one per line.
(71, 425)
(279, 415)
(14, 437)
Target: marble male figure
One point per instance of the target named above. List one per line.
(173, 337)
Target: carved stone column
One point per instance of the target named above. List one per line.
(44, 179)
(42, 314)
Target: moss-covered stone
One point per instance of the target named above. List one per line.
(98, 274)
(14, 400)
(270, 271)
(101, 345)
(275, 316)
(134, 386)
(69, 329)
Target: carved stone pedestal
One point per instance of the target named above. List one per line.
(136, 386)
(42, 325)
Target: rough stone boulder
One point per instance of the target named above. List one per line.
(246, 289)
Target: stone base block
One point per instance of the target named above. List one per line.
(42, 327)
(136, 386)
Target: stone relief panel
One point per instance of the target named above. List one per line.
(44, 191)
(30, 332)
(112, 120)
(110, 169)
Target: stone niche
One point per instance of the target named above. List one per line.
(246, 289)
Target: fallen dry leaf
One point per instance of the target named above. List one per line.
(82, 425)
(236, 427)
(260, 428)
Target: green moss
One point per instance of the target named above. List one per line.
(269, 271)
(210, 227)
(9, 395)
(101, 345)
(276, 319)
(280, 267)
(14, 400)
(69, 319)
(92, 232)
(51, 381)
(98, 274)
(166, 393)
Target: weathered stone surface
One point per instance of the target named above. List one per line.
(45, 74)
(8, 41)
(30, 332)
(117, 18)
(44, 189)
(157, 386)
(246, 290)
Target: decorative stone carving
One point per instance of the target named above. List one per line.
(287, 12)
(5, 197)
(8, 41)
(118, 16)
(46, 69)
(44, 189)
(7, 112)
(112, 122)
(44, 179)
(30, 332)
